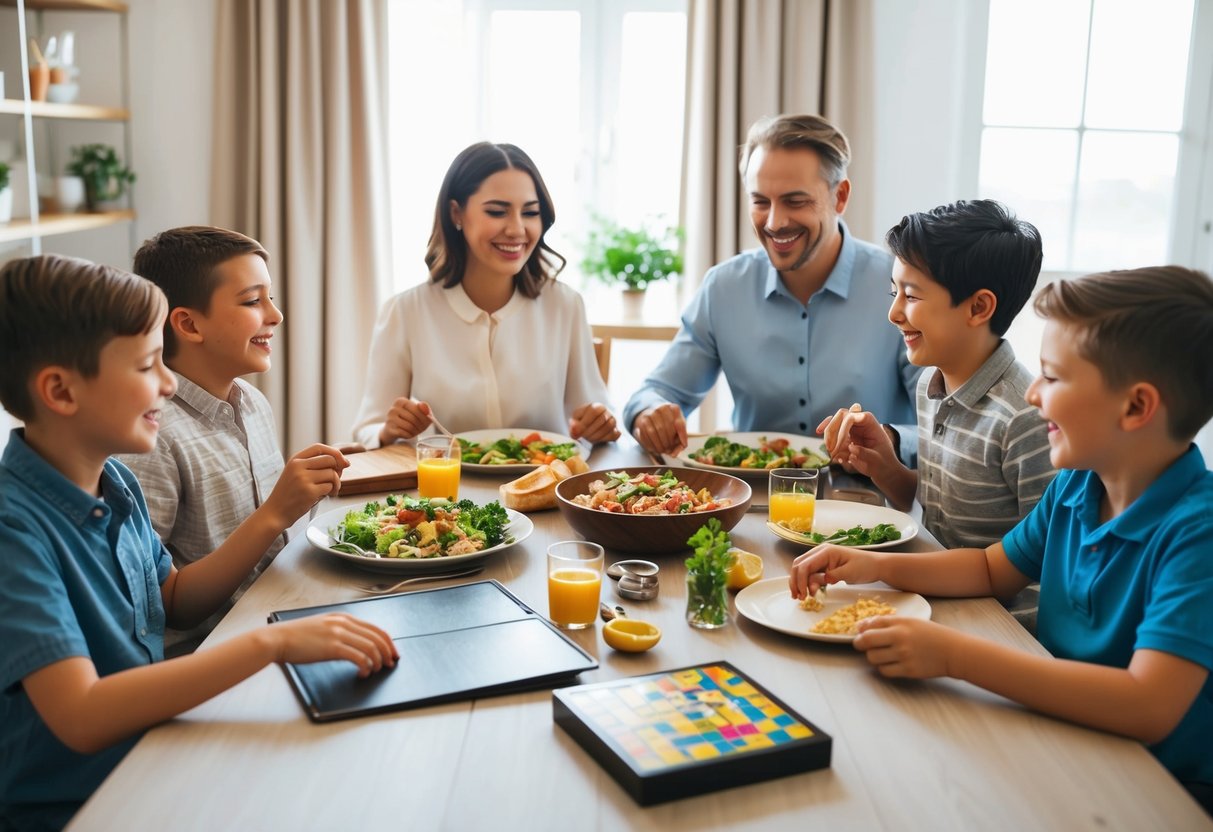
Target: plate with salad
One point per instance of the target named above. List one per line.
(516, 451)
(858, 525)
(402, 534)
(751, 454)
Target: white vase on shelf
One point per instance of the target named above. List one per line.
(633, 304)
(6, 204)
(69, 193)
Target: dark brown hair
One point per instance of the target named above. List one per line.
(183, 262)
(1153, 324)
(807, 131)
(447, 253)
(62, 311)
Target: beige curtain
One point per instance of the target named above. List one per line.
(300, 163)
(751, 58)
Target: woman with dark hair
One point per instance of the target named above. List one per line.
(492, 340)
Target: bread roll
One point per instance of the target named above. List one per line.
(577, 465)
(533, 491)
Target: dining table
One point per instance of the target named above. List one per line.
(936, 754)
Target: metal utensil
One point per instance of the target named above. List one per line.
(438, 425)
(386, 588)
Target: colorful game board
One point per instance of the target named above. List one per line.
(655, 729)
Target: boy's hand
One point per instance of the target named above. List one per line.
(594, 423)
(309, 476)
(661, 429)
(828, 564)
(906, 647)
(856, 439)
(320, 638)
(406, 419)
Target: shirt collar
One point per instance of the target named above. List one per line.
(979, 384)
(52, 486)
(467, 310)
(839, 281)
(1141, 518)
(203, 401)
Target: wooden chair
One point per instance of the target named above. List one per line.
(602, 352)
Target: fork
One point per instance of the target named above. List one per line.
(385, 588)
(439, 426)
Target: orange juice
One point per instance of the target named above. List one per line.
(573, 596)
(438, 478)
(795, 509)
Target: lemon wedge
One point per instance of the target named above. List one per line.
(746, 569)
(630, 635)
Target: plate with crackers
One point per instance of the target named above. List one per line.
(832, 615)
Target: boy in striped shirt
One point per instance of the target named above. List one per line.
(961, 274)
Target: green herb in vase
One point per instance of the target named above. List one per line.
(707, 577)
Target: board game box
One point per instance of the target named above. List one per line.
(689, 731)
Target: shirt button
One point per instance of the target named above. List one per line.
(951, 403)
(804, 315)
(803, 402)
(803, 426)
(143, 631)
(802, 359)
(938, 430)
(98, 512)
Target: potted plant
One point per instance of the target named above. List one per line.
(631, 258)
(105, 178)
(6, 193)
(707, 577)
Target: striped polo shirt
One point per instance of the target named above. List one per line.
(983, 452)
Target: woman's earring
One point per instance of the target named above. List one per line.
(458, 227)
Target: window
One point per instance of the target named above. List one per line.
(1083, 122)
(592, 90)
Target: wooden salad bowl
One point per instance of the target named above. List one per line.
(652, 534)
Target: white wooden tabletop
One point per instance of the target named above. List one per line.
(933, 755)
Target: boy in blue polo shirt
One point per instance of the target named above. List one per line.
(1120, 542)
(86, 587)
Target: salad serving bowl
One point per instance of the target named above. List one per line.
(656, 533)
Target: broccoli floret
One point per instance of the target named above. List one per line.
(489, 520)
(372, 508)
(390, 499)
(385, 540)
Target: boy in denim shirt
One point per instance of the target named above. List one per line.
(86, 587)
(1119, 542)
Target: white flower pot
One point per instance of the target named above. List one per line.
(69, 193)
(633, 303)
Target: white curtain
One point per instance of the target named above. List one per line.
(301, 165)
(752, 58)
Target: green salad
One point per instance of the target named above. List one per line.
(856, 535)
(776, 453)
(411, 527)
(531, 449)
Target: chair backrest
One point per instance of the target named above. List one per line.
(602, 352)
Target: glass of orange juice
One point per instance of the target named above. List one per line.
(793, 498)
(574, 583)
(438, 460)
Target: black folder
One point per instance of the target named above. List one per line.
(459, 642)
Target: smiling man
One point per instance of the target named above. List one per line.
(798, 327)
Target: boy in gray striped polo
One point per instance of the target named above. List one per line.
(961, 274)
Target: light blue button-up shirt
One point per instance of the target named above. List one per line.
(79, 576)
(789, 365)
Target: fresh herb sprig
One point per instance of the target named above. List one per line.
(707, 569)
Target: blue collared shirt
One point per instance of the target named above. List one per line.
(1141, 581)
(79, 576)
(789, 365)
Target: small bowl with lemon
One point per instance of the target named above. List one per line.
(630, 635)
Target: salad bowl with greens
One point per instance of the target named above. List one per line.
(748, 454)
(402, 534)
(505, 451)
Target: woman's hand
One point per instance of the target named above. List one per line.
(405, 419)
(594, 423)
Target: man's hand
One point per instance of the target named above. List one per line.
(661, 429)
(594, 423)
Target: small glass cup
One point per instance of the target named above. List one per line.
(792, 498)
(574, 583)
(438, 465)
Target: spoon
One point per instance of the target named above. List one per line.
(385, 588)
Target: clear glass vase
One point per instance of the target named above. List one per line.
(707, 602)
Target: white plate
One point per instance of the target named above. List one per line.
(518, 530)
(771, 604)
(491, 435)
(832, 515)
(753, 439)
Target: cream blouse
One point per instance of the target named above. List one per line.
(527, 365)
